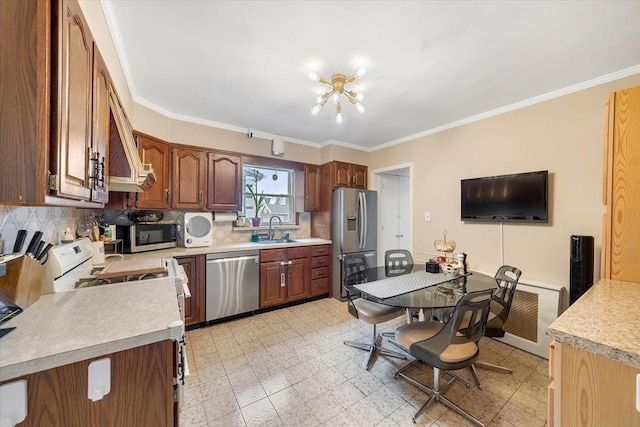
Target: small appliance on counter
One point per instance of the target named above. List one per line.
(198, 229)
(148, 236)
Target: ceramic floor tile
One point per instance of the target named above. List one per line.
(233, 419)
(237, 364)
(220, 405)
(260, 413)
(301, 416)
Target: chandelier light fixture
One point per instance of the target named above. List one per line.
(338, 83)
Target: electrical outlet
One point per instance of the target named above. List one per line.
(427, 216)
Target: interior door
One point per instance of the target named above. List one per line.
(394, 214)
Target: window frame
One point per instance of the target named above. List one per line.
(290, 196)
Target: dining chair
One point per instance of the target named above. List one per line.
(507, 278)
(446, 347)
(397, 259)
(354, 268)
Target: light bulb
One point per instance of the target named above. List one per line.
(339, 118)
(314, 76)
(359, 96)
(319, 99)
(315, 110)
(361, 72)
(360, 108)
(335, 98)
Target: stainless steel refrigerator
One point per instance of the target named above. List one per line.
(355, 225)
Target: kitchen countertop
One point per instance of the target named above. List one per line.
(603, 321)
(231, 247)
(68, 327)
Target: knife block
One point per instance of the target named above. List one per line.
(23, 282)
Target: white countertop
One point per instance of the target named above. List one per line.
(232, 247)
(603, 321)
(68, 327)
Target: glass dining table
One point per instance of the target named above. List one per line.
(411, 287)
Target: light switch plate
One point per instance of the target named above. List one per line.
(427, 216)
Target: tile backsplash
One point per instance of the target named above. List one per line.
(50, 220)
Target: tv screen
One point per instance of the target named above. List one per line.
(506, 198)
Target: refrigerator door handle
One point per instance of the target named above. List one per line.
(365, 226)
(361, 229)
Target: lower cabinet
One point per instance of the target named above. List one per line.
(292, 274)
(141, 391)
(194, 307)
(284, 275)
(584, 387)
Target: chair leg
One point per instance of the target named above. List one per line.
(472, 368)
(492, 367)
(374, 348)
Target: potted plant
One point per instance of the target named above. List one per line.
(258, 202)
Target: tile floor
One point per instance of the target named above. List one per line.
(289, 367)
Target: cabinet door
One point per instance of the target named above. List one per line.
(157, 153)
(311, 188)
(24, 100)
(341, 174)
(99, 160)
(74, 112)
(273, 278)
(194, 308)
(224, 190)
(359, 176)
(189, 175)
(624, 234)
(298, 283)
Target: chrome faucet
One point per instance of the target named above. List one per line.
(270, 235)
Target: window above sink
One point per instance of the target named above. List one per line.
(275, 186)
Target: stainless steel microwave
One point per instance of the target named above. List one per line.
(147, 237)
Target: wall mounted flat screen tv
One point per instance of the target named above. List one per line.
(521, 197)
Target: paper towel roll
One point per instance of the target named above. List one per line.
(225, 216)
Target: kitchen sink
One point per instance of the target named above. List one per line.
(275, 241)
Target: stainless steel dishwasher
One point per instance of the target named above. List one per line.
(231, 284)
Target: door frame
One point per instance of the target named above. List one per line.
(374, 180)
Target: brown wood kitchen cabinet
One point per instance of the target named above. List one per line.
(194, 307)
(24, 117)
(99, 154)
(141, 391)
(312, 187)
(188, 178)
(620, 255)
(284, 275)
(224, 189)
(158, 153)
(348, 175)
(320, 270)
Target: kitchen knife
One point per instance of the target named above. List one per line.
(33, 244)
(17, 247)
(36, 253)
(42, 254)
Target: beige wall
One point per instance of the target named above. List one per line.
(343, 154)
(563, 136)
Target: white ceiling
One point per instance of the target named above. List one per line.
(244, 64)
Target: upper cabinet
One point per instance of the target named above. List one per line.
(158, 153)
(312, 187)
(189, 178)
(348, 175)
(621, 188)
(72, 124)
(99, 159)
(224, 189)
(25, 28)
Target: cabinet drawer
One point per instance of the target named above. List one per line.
(321, 261)
(320, 286)
(268, 255)
(320, 250)
(300, 252)
(317, 273)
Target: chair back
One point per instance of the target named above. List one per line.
(506, 278)
(397, 259)
(354, 267)
(472, 307)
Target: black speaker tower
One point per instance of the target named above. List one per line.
(581, 267)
